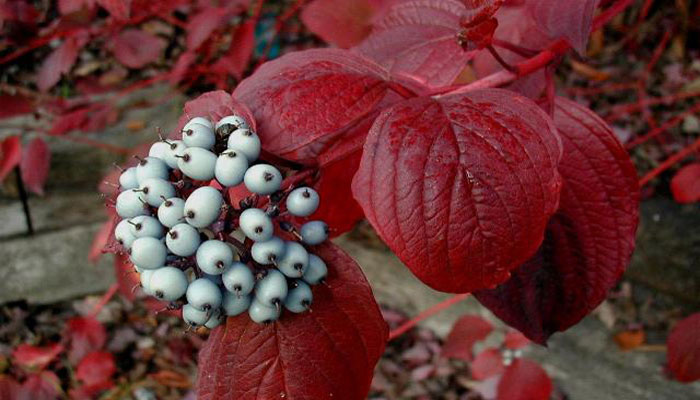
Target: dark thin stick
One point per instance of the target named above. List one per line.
(25, 202)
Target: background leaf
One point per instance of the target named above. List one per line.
(685, 185)
(524, 380)
(35, 164)
(329, 352)
(340, 22)
(588, 242)
(567, 19)
(468, 330)
(684, 350)
(461, 187)
(10, 155)
(135, 48)
(59, 62)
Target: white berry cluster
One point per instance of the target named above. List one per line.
(216, 259)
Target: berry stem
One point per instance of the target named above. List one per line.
(425, 314)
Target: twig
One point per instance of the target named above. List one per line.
(669, 162)
(664, 127)
(104, 300)
(25, 201)
(621, 110)
(406, 326)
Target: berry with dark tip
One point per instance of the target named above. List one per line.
(214, 256)
(145, 280)
(197, 163)
(194, 317)
(238, 279)
(316, 271)
(127, 179)
(269, 251)
(198, 135)
(263, 179)
(123, 235)
(203, 207)
(230, 123)
(245, 141)
(175, 150)
(215, 320)
(302, 202)
(155, 189)
(198, 120)
(272, 289)
(299, 297)
(256, 225)
(230, 168)
(145, 226)
(168, 283)
(171, 212)
(263, 314)
(148, 252)
(314, 232)
(151, 167)
(204, 295)
(130, 204)
(182, 240)
(158, 150)
(295, 260)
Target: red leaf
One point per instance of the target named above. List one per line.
(468, 330)
(11, 106)
(306, 100)
(70, 121)
(126, 276)
(236, 60)
(478, 24)
(71, 6)
(9, 388)
(118, 9)
(419, 38)
(42, 386)
(486, 364)
(89, 392)
(515, 340)
(181, 66)
(338, 208)
(461, 187)
(570, 20)
(101, 239)
(588, 242)
(10, 155)
(684, 350)
(59, 62)
(85, 335)
(340, 22)
(524, 380)
(35, 165)
(96, 368)
(214, 105)
(685, 185)
(201, 26)
(135, 48)
(35, 358)
(329, 352)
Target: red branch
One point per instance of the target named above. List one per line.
(670, 162)
(406, 326)
(105, 299)
(664, 127)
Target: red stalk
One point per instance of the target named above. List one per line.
(406, 326)
(664, 127)
(670, 162)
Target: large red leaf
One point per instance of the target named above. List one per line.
(419, 38)
(135, 48)
(306, 100)
(44, 385)
(327, 353)
(468, 330)
(84, 335)
(461, 187)
(10, 155)
(96, 368)
(590, 239)
(60, 61)
(684, 349)
(11, 105)
(567, 19)
(35, 165)
(35, 358)
(685, 185)
(341, 22)
(524, 380)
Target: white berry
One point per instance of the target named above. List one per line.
(230, 168)
(316, 271)
(123, 235)
(168, 283)
(151, 167)
(197, 163)
(256, 225)
(182, 240)
(175, 150)
(145, 280)
(295, 260)
(171, 212)
(230, 123)
(299, 298)
(145, 226)
(158, 150)
(204, 294)
(130, 204)
(193, 316)
(245, 141)
(203, 207)
(302, 202)
(213, 256)
(215, 320)
(238, 279)
(263, 179)
(263, 314)
(269, 251)
(234, 305)
(155, 189)
(148, 252)
(198, 120)
(314, 232)
(272, 289)
(198, 135)
(127, 179)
